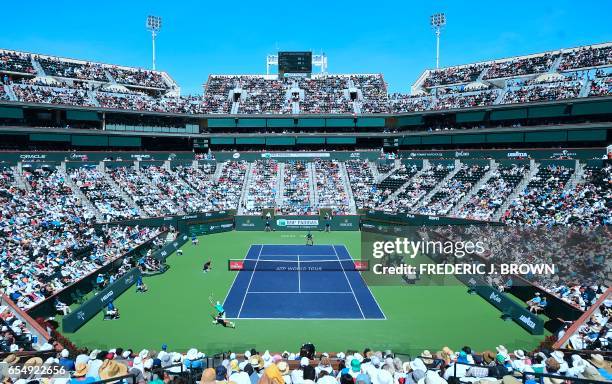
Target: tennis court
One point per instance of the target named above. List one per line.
(300, 282)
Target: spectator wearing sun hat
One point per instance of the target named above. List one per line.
(520, 361)
(560, 357)
(283, 367)
(192, 361)
(602, 366)
(237, 375)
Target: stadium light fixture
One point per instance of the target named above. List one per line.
(154, 24)
(437, 21)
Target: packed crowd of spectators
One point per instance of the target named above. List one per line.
(325, 94)
(263, 96)
(365, 191)
(586, 57)
(544, 92)
(16, 62)
(297, 199)
(216, 97)
(224, 193)
(262, 187)
(72, 69)
(373, 91)
(420, 185)
(139, 102)
(174, 188)
(547, 201)
(491, 195)
(400, 102)
(453, 190)
(330, 191)
(52, 95)
(47, 239)
(594, 334)
(367, 366)
(453, 75)
(476, 99)
(520, 67)
(137, 77)
(105, 198)
(151, 201)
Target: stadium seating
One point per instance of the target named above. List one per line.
(548, 76)
(262, 187)
(297, 199)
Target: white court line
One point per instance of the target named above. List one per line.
(299, 275)
(305, 261)
(236, 276)
(294, 255)
(349, 283)
(323, 292)
(372, 294)
(305, 318)
(250, 281)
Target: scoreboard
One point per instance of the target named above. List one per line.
(294, 62)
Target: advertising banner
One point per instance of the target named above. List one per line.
(75, 320)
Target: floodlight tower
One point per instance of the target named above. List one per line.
(154, 24)
(438, 20)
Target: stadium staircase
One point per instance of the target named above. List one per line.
(555, 65)
(217, 174)
(484, 179)
(110, 78)
(378, 178)
(312, 185)
(425, 200)
(9, 91)
(586, 87)
(245, 185)
(235, 107)
(19, 180)
(403, 187)
(577, 177)
(347, 188)
(280, 182)
(121, 192)
(91, 96)
(500, 96)
(38, 68)
(483, 74)
(374, 169)
(295, 107)
(76, 191)
(533, 169)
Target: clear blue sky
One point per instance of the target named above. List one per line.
(224, 37)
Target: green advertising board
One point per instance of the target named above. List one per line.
(77, 318)
(531, 322)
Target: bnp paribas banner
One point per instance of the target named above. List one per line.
(531, 322)
(297, 223)
(500, 154)
(78, 317)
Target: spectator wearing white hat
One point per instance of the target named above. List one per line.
(65, 360)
